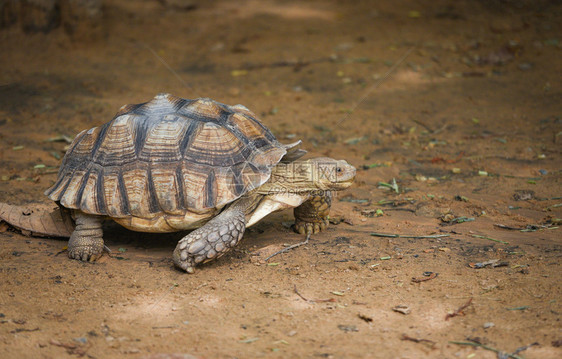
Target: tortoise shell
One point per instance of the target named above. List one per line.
(170, 156)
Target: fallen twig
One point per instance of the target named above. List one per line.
(479, 345)
(453, 221)
(507, 227)
(422, 124)
(418, 340)
(19, 330)
(166, 327)
(520, 349)
(459, 311)
(523, 307)
(289, 248)
(64, 345)
(365, 318)
(297, 65)
(401, 209)
(492, 263)
(312, 300)
(527, 228)
(248, 341)
(70, 348)
(408, 235)
(300, 295)
(425, 279)
(488, 238)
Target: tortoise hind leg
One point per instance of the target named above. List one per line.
(213, 239)
(312, 216)
(86, 242)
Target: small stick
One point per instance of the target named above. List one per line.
(289, 248)
(300, 295)
(520, 349)
(296, 64)
(312, 300)
(166, 327)
(19, 330)
(358, 303)
(459, 311)
(423, 125)
(488, 238)
(408, 235)
(493, 263)
(419, 280)
(514, 356)
(64, 345)
(418, 340)
(400, 209)
(507, 227)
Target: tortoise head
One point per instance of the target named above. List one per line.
(321, 173)
(331, 174)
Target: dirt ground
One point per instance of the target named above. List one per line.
(467, 126)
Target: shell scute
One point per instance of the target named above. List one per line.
(162, 141)
(138, 192)
(168, 190)
(116, 203)
(116, 147)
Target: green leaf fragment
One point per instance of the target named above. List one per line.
(354, 140)
(488, 238)
(248, 341)
(414, 14)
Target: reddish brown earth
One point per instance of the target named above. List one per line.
(468, 125)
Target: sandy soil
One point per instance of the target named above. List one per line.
(468, 125)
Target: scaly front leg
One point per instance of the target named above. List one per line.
(212, 240)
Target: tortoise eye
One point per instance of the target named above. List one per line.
(339, 170)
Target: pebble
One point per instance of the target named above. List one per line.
(404, 309)
(80, 340)
(543, 172)
(488, 325)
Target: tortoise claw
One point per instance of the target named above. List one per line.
(85, 253)
(307, 228)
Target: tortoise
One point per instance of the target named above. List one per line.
(174, 164)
